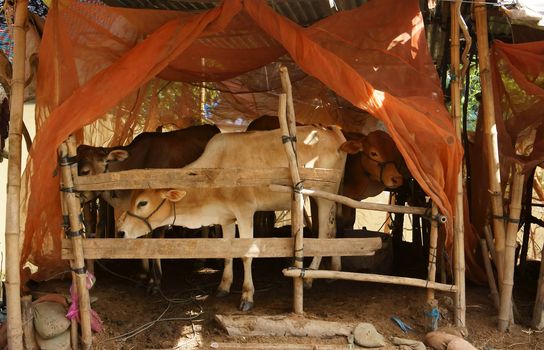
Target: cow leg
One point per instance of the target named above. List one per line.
(245, 229)
(229, 232)
(327, 229)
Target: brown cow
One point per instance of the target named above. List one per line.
(372, 165)
(317, 147)
(173, 149)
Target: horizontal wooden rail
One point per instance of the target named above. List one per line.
(424, 212)
(200, 248)
(366, 277)
(202, 178)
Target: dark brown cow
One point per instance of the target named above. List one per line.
(173, 149)
(372, 165)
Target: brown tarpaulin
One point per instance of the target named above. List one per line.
(97, 61)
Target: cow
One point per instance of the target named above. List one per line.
(317, 147)
(372, 165)
(173, 149)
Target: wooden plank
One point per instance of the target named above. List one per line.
(199, 248)
(202, 178)
(368, 277)
(424, 212)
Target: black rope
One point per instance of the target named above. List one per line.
(68, 189)
(80, 271)
(73, 234)
(64, 161)
(287, 138)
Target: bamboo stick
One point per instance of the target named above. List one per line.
(28, 323)
(490, 133)
(431, 269)
(297, 206)
(528, 215)
(490, 245)
(505, 311)
(367, 277)
(490, 274)
(361, 205)
(459, 231)
(67, 149)
(13, 199)
(538, 311)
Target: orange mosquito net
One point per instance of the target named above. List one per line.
(518, 87)
(107, 71)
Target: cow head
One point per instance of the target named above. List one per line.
(149, 209)
(96, 160)
(379, 157)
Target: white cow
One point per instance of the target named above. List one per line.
(317, 147)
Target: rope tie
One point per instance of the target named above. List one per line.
(434, 314)
(288, 138)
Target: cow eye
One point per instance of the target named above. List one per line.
(142, 204)
(373, 154)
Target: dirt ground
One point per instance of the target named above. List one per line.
(187, 307)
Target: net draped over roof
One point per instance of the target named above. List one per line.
(107, 66)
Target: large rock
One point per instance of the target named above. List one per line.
(366, 335)
(50, 319)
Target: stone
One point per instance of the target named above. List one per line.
(60, 342)
(408, 344)
(50, 319)
(366, 335)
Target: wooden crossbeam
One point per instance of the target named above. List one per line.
(200, 248)
(202, 178)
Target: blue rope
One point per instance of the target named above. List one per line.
(434, 314)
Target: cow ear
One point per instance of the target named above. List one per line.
(117, 155)
(174, 195)
(352, 146)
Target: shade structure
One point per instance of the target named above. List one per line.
(103, 70)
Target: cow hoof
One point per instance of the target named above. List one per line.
(221, 293)
(246, 305)
(307, 284)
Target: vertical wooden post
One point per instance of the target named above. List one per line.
(490, 133)
(459, 231)
(297, 208)
(538, 311)
(67, 167)
(505, 311)
(13, 279)
(28, 323)
(431, 270)
(528, 204)
(490, 275)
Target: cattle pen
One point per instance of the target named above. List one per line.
(77, 249)
(108, 74)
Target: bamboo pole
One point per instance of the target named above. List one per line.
(538, 311)
(297, 206)
(505, 311)
(433, 242)
(424, 212)
(74, 336)
(28, 323)
(459, 231)
(490, 133)
(13, 279)
(66, 150)
(368, 277)
(490, 245)
(490, 274)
